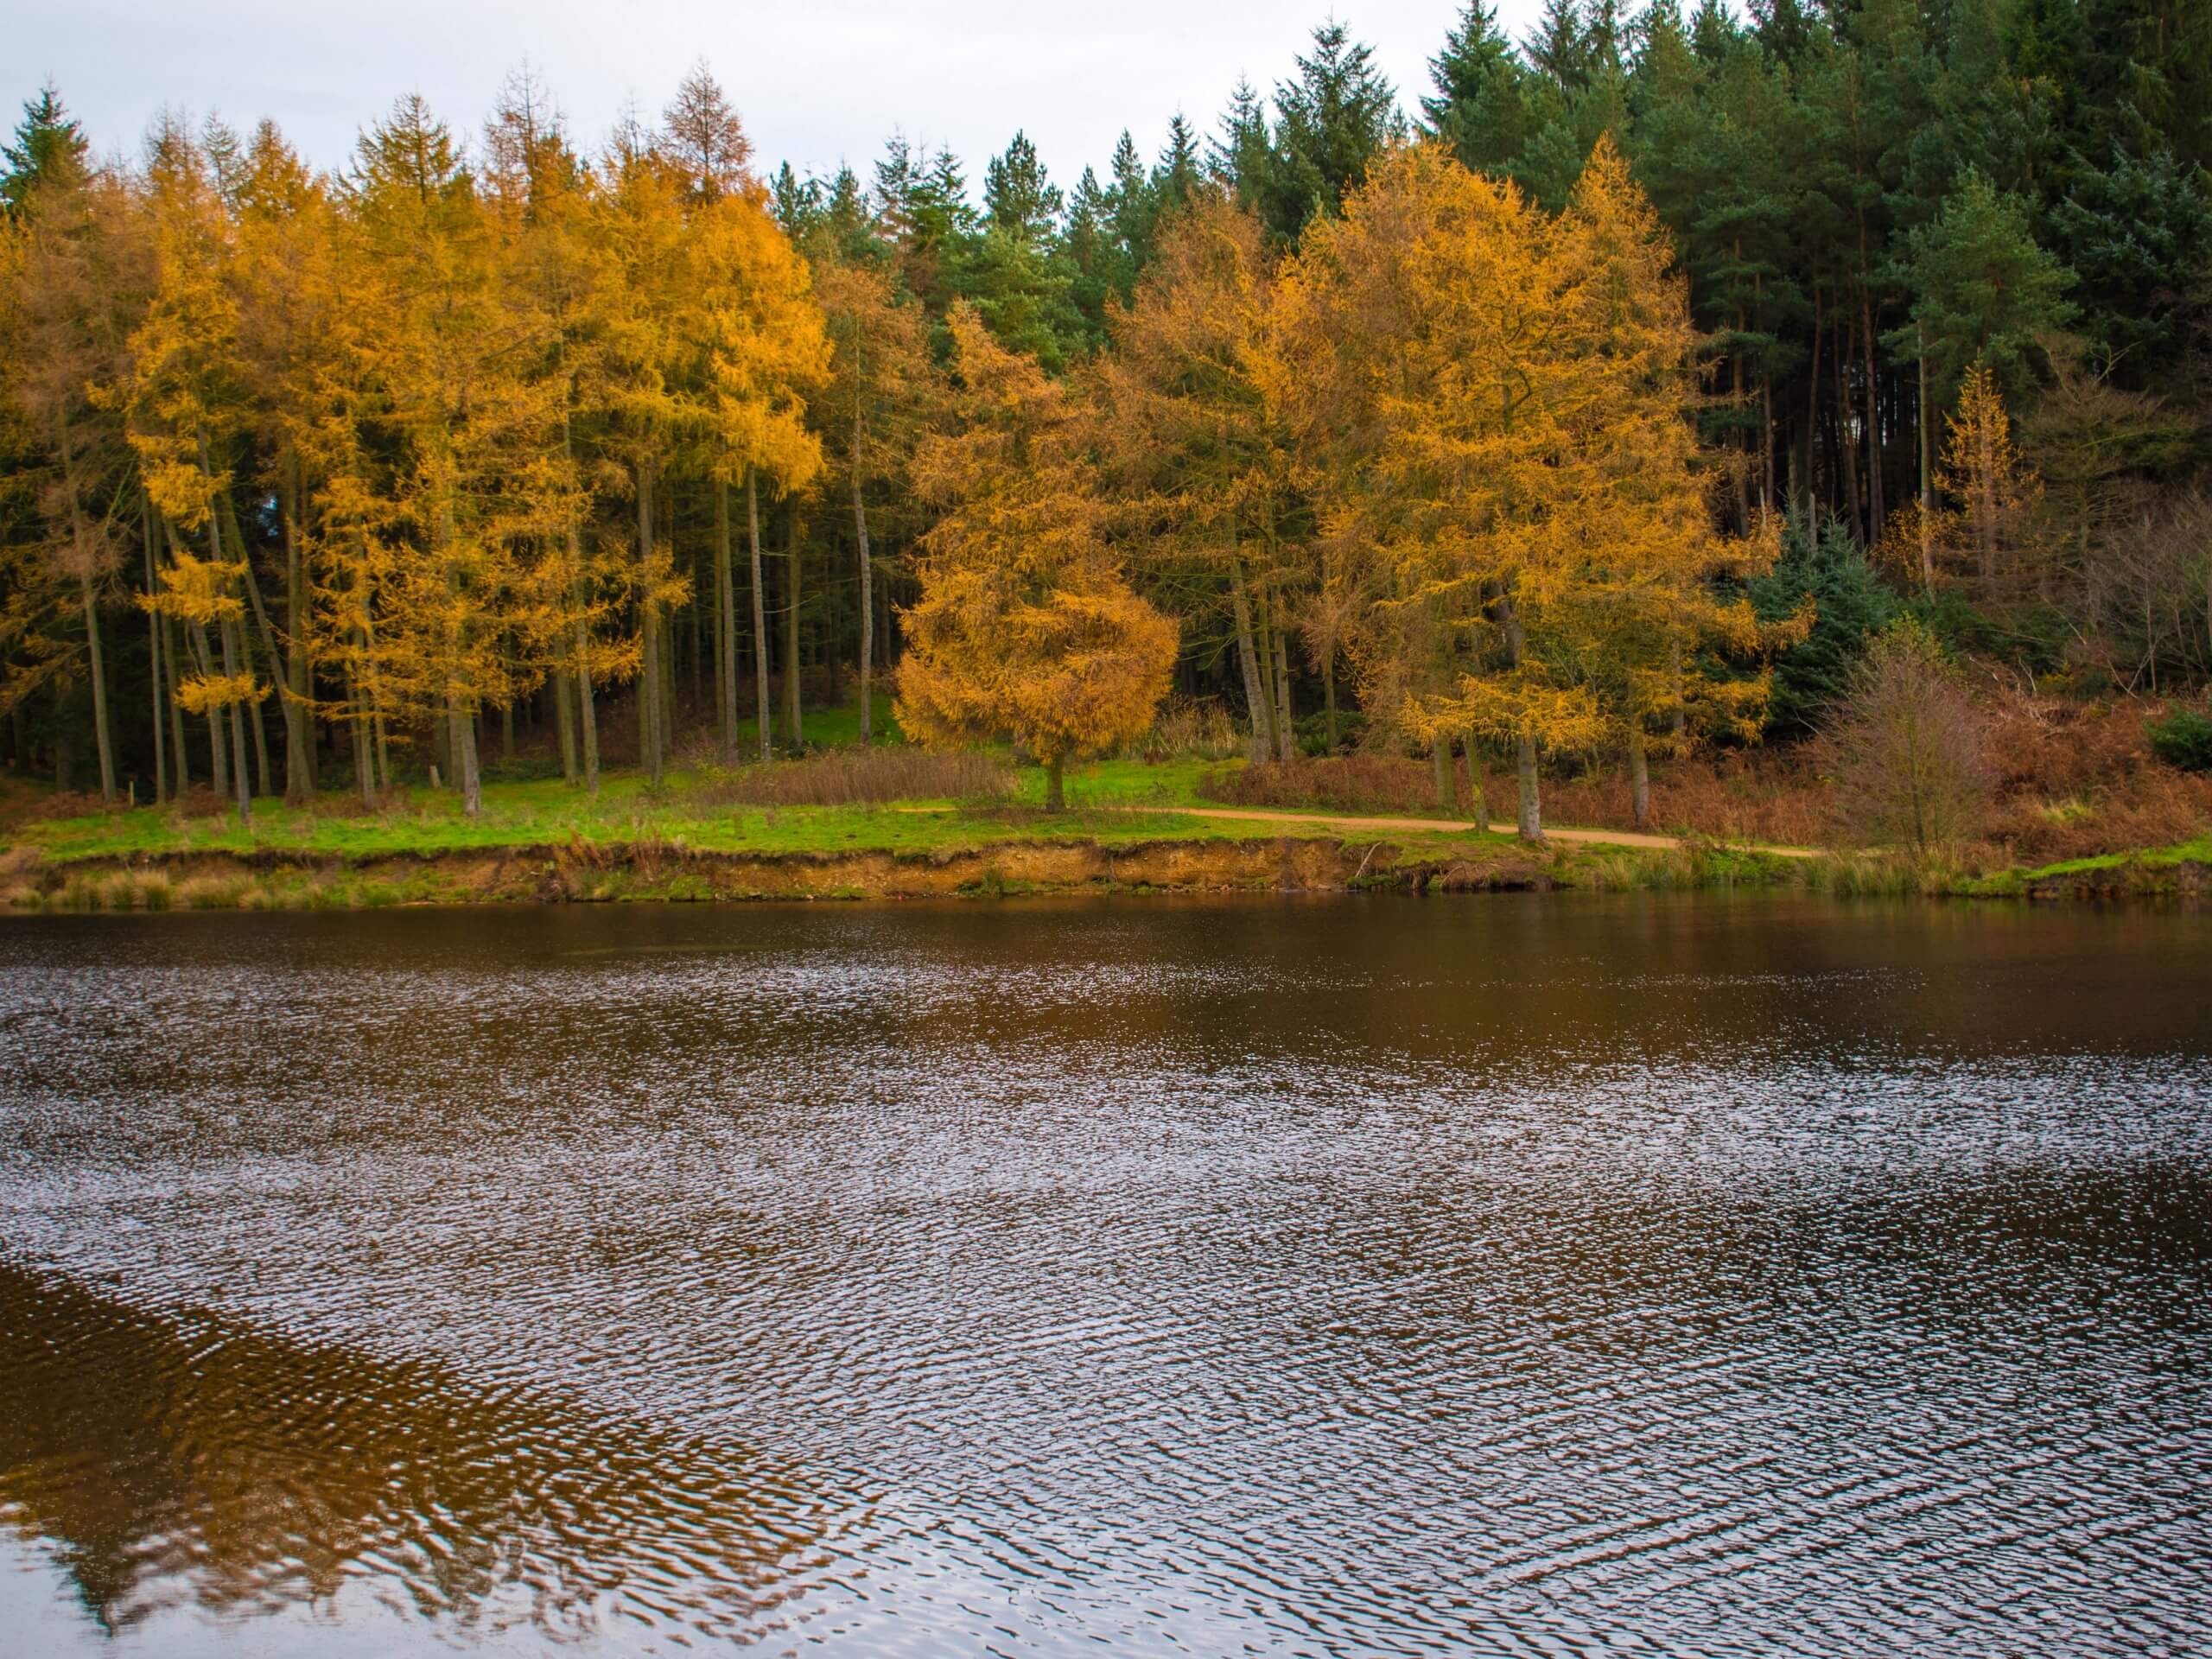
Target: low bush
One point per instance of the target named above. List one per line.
(2182, 739)
(859, 778)
(1190, 726)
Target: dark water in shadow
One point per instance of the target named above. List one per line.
(1502, 1276)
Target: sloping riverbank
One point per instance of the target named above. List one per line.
(661, 871)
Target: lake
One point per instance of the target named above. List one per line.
(1510, 1275)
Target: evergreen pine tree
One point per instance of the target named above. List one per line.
(49, 145)
(1478, 107)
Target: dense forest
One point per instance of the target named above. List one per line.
(1607, 401)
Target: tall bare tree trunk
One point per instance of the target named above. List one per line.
(218, 743)
(1639, 776)
(181, 760)
(564, 722)
(1286, 728)
(1257, 703)
(98, 665)
(264, 773)
(462, 743)
(1531, 825)
(793, 714)
(759, 611)
(154, 654)
(1056, 799)
(1847, 446)
(725, 625)
(588, 720)
(1531, 805)
(364, 765)
(868, 594)
(295, 714)
(88, 594)
(650, 705)
(1927, 481)
(237, 734)
(1813, 428)
(299, 673)
(1874, 513)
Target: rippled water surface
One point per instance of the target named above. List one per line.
(1489, 1275)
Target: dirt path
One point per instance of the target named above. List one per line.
(1355, 824)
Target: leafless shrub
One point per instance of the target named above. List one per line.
(1906, 750)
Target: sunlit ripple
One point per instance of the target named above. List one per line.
(1182, 1279)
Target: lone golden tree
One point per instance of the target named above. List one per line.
(1025, 627)
(1983, 470)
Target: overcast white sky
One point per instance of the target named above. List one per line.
(817, 83)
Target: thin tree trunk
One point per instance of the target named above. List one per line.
(1639, 776)
(588, 720)
(218, 743)
(154, 654)
(868, 595)
(364, 768)
(726, 619)
(1531, 807)
(88, 594)
(1329, 694)
(179, 758)
(237, 734)
(1874, 514)
(1813, 428)
(100, 685)
(1286, 728)
(1257, 704)
(649, 666)
(759, 611)
(376, 721)
(507, 732)
(1926, 480)
(263, 773)
(299, 674)
(792, 688)
(564, 723)
(697, 608)
(1766, 426)
(1847, 446)
(462, 743)
(294, 714)
(1055, 788)
(1531, 825)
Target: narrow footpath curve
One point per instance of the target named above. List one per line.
(1354, 823)
(1340, 821)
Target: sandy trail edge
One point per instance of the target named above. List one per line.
(1354, 823)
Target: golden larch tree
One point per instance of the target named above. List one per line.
(1026, 626)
